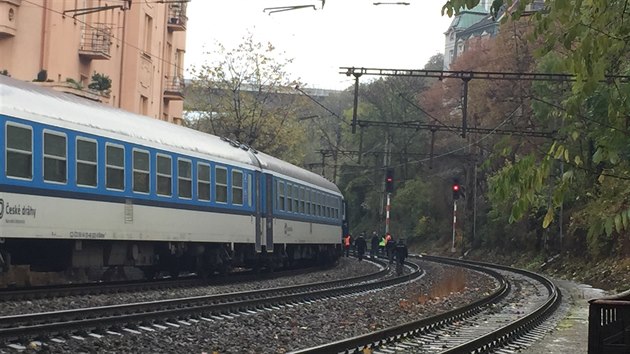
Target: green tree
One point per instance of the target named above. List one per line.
(589, 157)
(246, 94)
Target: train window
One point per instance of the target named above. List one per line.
(307, 197)
(141, 171)
(19, 146)
(328, 207)
(115, 167)
(237, 187)
(296, 200)
(203, 181)
(221, 184)
(302, 197)
(55, 157)
(280, 205)
(289, 197)
(164, 175)
(184, 178)
(319, 204)
(86, 162)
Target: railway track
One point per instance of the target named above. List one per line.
(98, 321)
(99, 288)
(521, 303)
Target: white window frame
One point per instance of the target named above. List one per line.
(24, 152)
(134, 170)
(54, 157)
(207, 182)
(158, 175)
(281, 196)
(237, 187)
(185, 179)
(115, 167)
(85, 162)
(217, 184)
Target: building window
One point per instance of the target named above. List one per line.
(86, 163)
(184, 179)
(221, 184)
(144, 105)
(141, 171)
(19, 147)
(203, 182)
(237, 187)
(148, 34)
(164, 175)
(115, 167)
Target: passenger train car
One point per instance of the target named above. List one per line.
(87, 186)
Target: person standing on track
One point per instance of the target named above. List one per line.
(347, 242)
(360, 245)
(390, 244)
(401, 253)
(374, 246)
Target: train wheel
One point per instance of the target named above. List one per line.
(149, 273)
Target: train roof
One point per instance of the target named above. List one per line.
(25, 100)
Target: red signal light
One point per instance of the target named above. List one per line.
(455, 187)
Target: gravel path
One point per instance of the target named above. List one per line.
(292, 328)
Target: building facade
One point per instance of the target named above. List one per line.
(75, 46)
(476, 24)
(456, 35)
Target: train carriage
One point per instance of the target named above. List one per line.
(87, 186)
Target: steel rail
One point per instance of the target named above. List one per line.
(484, 343)
(46, 324)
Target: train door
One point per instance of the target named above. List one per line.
(269, 199)
(258, 197)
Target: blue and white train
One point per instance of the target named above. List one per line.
(87, 186)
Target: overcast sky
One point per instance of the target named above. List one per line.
(343, 33)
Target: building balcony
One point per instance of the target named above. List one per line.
(67, 87)
(96, 41)
(8, 23)
(174, 88)
(176, 19)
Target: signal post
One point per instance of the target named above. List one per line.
(389, 189)
(456, 192)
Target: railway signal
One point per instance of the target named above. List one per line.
(456, 190)
(389, 180)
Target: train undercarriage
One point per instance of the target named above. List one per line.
(96, 260)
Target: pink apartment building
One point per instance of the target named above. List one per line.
(139, 45)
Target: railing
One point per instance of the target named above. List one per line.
(96, 41)
(609, 324)
(174, 87)
(176, 19)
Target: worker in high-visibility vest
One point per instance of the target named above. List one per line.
(347, 242)
(381, 246)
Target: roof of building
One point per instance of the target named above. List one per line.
(469, 17)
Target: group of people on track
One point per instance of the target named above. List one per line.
(383, 246)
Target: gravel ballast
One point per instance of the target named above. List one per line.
(291, 328)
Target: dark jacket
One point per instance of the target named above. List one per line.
(400, 251)
(375, 241)
(360, 244)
